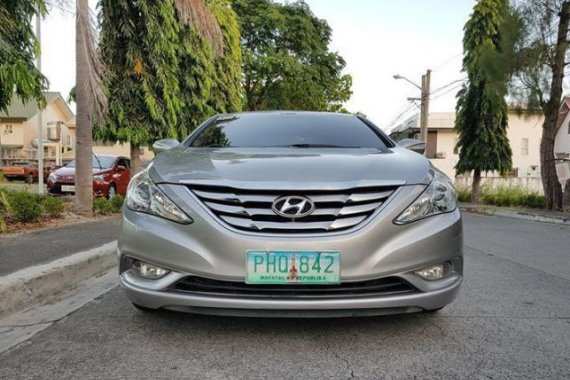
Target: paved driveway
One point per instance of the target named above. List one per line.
(512, 320)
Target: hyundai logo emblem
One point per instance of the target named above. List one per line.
(293, 206)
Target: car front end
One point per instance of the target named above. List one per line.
(291, 232)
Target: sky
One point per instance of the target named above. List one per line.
(377, 38)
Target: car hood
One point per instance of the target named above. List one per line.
(70, 172)
(290, 167)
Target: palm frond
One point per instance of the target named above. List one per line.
(94, 81)
(197, 14)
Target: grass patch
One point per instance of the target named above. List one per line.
(503, 196)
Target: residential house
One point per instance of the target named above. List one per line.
(524, 134)
(18, 133)
(18, 130)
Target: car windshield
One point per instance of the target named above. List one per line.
(98, 162)
(295, 130)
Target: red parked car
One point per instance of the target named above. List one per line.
(111, 176)
(23, 171)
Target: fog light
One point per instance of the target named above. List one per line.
(434, 272)
(147, 270)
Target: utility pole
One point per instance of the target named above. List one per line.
(424, 99)
(40, 152)
(426, 79)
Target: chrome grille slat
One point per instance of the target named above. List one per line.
(251, 210)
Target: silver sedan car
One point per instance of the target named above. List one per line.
(300, 214)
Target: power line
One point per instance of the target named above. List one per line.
(448, 91)
(462, 80)
(397, 118)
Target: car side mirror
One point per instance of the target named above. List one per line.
(164, 145)
(121, 168)
(414, 145)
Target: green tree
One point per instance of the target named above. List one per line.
(482, 112)
(139, 42)
(540, 58)
(156, 78)
(18, 51)
(210, 82)
(287, 62)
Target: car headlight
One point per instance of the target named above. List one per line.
(52, 177)
(99, 178)
(438, 198)
(144, 196)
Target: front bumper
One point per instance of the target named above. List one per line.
(209, 249)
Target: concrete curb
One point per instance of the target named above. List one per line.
(33, 285)
(523, 214)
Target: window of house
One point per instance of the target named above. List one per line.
(524, 147)
(8, 129)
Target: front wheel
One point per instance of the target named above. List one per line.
(112, 191)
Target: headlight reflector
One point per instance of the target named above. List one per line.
(99, 178)
(438, 198)
(144, 196)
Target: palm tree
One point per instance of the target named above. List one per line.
(90, 101)
(90, 97)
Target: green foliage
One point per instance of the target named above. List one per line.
(463, 194)
(164, 78)
(18, 50)
(209, 84)
(25, 207)
(52, 207)
(139, 45)
(103, 206)
(504, 196)
(287, 62)
(482, 114)
(117, 203)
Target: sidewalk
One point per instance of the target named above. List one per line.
(536, 215)
(39, 265)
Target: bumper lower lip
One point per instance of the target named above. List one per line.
(244, 306)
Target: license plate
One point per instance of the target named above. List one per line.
(68, 188)
(292, 267)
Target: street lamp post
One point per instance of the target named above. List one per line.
(40, 152)
(424, 107)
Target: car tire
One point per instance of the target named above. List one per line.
(30, 179)
(112, 192)
(144, 309)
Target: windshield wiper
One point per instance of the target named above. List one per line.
(98, 161)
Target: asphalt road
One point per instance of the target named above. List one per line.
(42, 246)
(512, 320)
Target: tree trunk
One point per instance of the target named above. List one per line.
(84, 138)
(476, 187)
(552, 188)
(135, 159)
